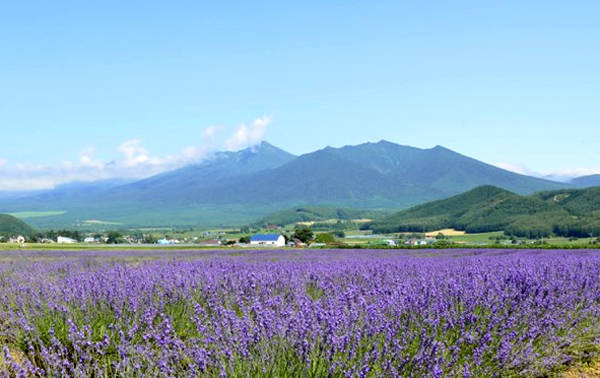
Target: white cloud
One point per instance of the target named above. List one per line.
(247, 136)
(210, 132)
(569, 174)
(520, 169)
(86, 159)
(18, 184)
(577, 172)
(134, 160)
(134, 154)
(564, 175)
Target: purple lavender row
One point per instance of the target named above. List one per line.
(323, 313)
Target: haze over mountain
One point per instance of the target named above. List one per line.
(586, 181)
(237, 187)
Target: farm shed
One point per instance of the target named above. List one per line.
(274, 240)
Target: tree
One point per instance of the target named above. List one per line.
(245, 239)
(340, 234)
(150, 239)
(325, 238)
(304, 234)
(113, 237)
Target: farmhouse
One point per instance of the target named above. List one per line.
(65, 240)
(275, 240)
(209, 243)
(389, 242)
(18, 240)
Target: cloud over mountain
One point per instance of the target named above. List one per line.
(247, 136)
(134, 160)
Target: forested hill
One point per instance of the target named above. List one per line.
(11, 226)
(564, 212)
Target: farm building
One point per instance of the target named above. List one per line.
(18, 240)
(65, 240)
(274, 240)
(209, 243)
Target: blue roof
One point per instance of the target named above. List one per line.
(264, 237)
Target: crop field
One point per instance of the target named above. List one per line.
(37, 214)
(363, 313)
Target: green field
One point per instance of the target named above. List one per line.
(37, 214)
(480, 238)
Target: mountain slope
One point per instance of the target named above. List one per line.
(440, 169)
(180, 183)
(486, 208)
(11, 226)
(371, 175)
(235, 188)
(586, 181)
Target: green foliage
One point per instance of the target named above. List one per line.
(150, 239)
(325, 238)
(569, 213)
(113, 237)
(339, 234)
(11, 226)
(245, 239)
(305, 234)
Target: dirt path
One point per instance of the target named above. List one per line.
(589, 370)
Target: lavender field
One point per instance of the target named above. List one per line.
(307, 314)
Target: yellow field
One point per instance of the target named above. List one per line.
(446, 232)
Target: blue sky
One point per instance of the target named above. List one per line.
(152, 85)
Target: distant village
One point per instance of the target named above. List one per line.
(269, 236)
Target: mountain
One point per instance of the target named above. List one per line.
(439, 168)
(85, 189)
(370, 175)
(11, 226)
(586, 181)
(235, 188)
(167, 199)
(183, 183)
(567, 212)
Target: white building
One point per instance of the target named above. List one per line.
(18, 240)
(272, 240)
(65, 240)
(90, 240)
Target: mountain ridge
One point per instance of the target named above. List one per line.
(586, 181)
(238, 187)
